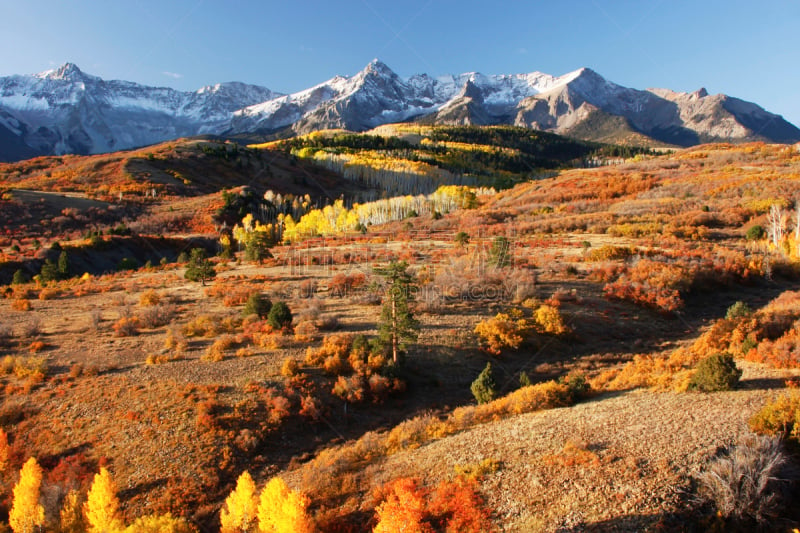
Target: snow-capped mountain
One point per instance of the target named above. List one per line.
(68, 111)
(377, 95)
(592, 107)
(581, 103)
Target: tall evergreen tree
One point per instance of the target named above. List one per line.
(397, 327)
(63, 264)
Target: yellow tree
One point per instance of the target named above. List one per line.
(282, 510)
(27, 514)
(159, 524)
(102, 505)
(239, 511)
(70, 515)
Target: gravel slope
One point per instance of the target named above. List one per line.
(645, 447)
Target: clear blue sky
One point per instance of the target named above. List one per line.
(743, 48)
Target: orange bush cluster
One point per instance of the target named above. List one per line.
(451, 506)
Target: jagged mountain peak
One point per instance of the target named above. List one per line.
(377, 68)
(68, 71)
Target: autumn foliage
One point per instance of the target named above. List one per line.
(27, 514)
(454, 506)
(282, 510)
(102, 505)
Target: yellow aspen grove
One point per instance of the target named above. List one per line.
(102, 505)
(282, 510)
(27, 514)
(239, 512)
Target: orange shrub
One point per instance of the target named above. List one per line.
(36, 346)
(337, 346)
(453, 506)
(49, 293)
(21, 304)
(216, 352)
(126, 326)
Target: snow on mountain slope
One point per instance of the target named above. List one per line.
(663, 115)
(66, 110)
(377, 95)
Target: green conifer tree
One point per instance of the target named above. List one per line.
(397, 327)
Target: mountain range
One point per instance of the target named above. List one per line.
(68, 111)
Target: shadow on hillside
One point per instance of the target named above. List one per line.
(78, 454)
(142, 488)
(688, 521)
(636, 523)
(762, 384)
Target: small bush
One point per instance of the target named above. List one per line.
(549, 320)
(216, 352)
(127, 264)
(609, 253)
(257, 304)
(576, 385)
(149, 298)
(477, 471)
(742, 483)
(779, 417)
(717, 372)
(19, 278)
(279, 316)
(755, 233)
(21, 304)
(290, 367)
(32, 328)
(6, 334)
(126, 326)
(484, 389)
(156, 316)
(501, 332)
(737, 310)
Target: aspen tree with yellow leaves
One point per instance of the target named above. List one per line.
(70, 516)
(102, 505)
(159, 524)
(27, 514)
(239, 512)
(282, 510)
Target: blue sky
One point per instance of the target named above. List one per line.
(743, 48)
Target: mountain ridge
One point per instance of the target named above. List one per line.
(66, 110)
